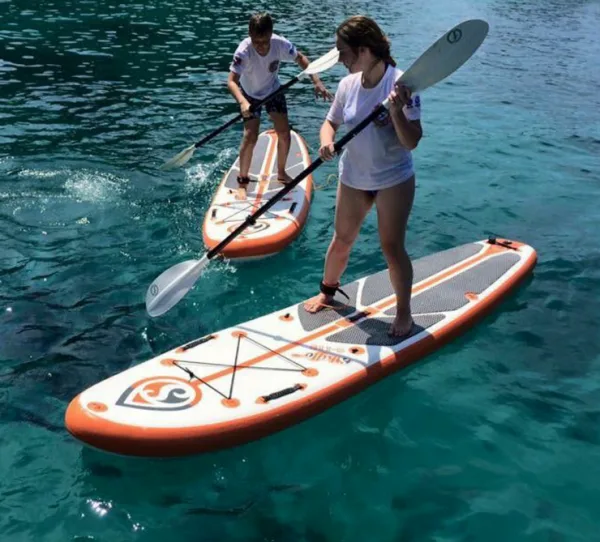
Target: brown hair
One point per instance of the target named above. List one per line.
(360, 31)
(260, 24)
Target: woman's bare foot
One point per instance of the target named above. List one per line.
(402, 325)
(317, 303)
(284, 178)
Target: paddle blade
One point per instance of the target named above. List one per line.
(171, 285)
(446, 55)
(179, 159)
(323, 63)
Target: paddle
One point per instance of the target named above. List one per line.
(320, 65)
(442, 59)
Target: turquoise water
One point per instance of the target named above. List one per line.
(493, 438)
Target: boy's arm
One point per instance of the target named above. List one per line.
(320, 89)
(233, 84)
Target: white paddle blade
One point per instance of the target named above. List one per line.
(323, 63)
(179, 159)
(446, 55)
(170, 286)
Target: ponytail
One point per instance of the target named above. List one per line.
(387, 56)
(361, 31)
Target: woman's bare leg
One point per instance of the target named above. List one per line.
(393, 209)
(351, 209)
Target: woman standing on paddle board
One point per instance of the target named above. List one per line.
(376, 166)
(252, 77)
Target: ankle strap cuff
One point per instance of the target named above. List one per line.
(331, 290)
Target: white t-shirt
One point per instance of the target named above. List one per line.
(375, 158)
(258, 74)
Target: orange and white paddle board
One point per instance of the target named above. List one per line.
(258, 377)
(279, 226)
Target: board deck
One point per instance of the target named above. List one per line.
(281, 224)
(253, 379)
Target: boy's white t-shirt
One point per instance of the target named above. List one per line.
(258, 74)
(375, 158)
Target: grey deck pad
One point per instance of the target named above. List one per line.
(375, 331)
(427, 306)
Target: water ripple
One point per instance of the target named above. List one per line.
(495, 436)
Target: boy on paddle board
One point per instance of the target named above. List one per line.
(252, 77)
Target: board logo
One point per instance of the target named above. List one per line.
(319, 355)
(454, 36)
(160, 393)
(254, 228)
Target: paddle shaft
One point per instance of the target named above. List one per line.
(253, 108)
(251, 219)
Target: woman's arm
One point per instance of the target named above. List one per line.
(327, 135)
(409, 132)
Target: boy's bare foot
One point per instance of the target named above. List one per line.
(284, 178)
(241, 193)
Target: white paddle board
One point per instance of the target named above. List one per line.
(253, 379)
(278, 227)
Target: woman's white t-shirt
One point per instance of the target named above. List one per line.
(258, 74)
(375, 158)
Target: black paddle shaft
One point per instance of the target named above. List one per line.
(251, 219)
(253, 108)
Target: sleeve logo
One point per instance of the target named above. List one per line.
(414, 102)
